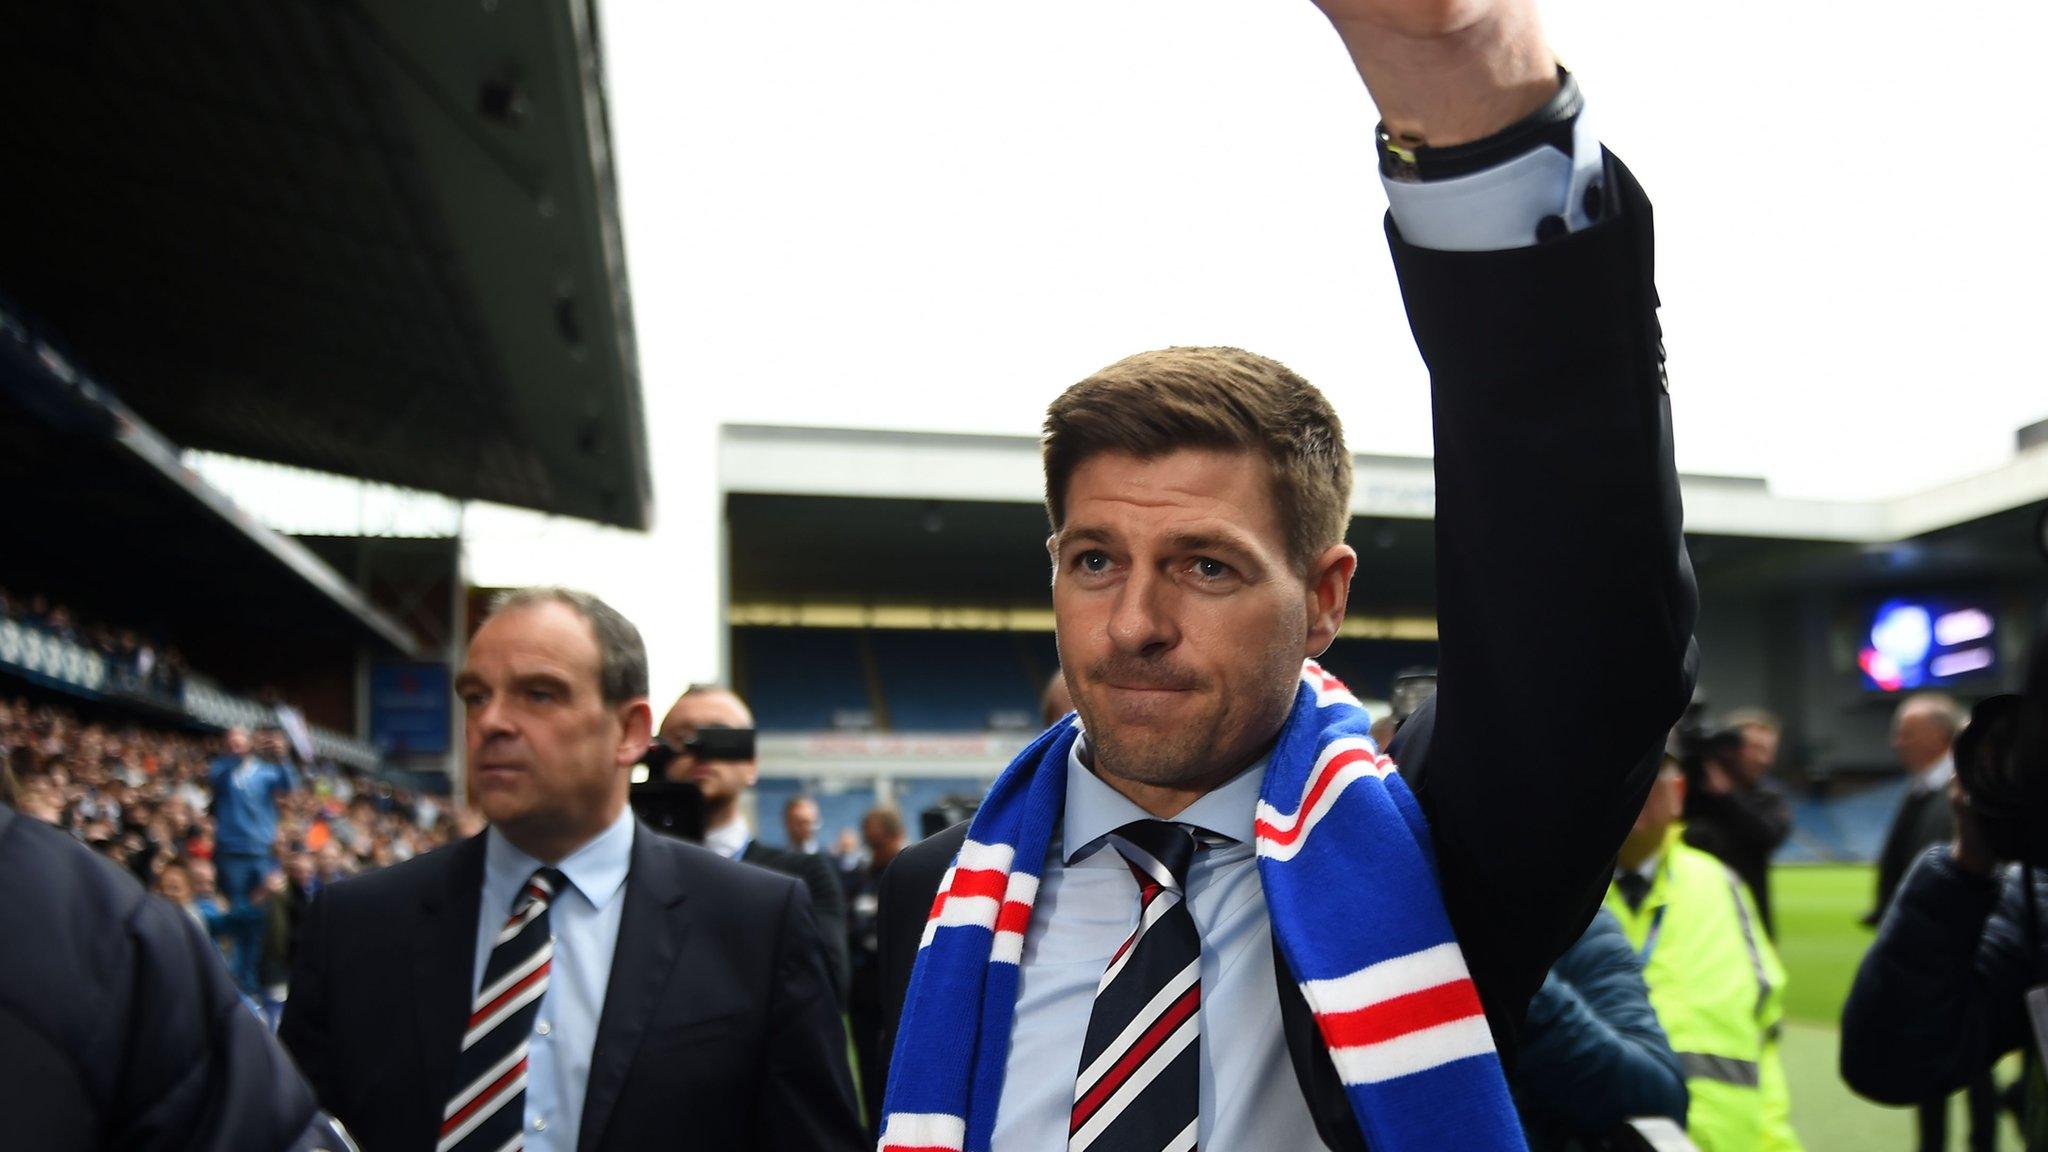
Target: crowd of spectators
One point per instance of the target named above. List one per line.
(139, 663)
(141, 797)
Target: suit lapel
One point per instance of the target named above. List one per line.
(1313, 1068)
(444, 956)
(652, 928)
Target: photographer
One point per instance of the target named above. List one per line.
(723, 769)
(1941, 996)
(1733, 810)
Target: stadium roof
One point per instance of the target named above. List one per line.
(818, 515)
(99, 510)
(378, 238)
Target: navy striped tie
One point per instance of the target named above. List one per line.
(488, 1112)
(1137, 1088)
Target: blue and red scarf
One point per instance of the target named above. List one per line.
(1350, 884)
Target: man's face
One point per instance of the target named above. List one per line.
(1664, 805)
(300, 868)
(1758, 753)
(1181, 623)
(721, 781)
(203, 882)
(270, 744)
(882, 838)
(801, 822)
(238, 742)
(548, 757)
(1919, 737)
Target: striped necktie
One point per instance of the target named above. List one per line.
(488, 1113)
(1137, 1089)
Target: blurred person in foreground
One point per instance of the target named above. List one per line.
(1924, 730)
(569, 979)
(1942, 994)
(1734, 811)
(1715, 978)
(119, 1026)
(723, 783)
(1593, 1055)
(1178, 889)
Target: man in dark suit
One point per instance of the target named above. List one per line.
(1924, 729)
(568, 977)
(1185, 599)
(723, 781)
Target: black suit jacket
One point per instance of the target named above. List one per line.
(828, 902)
(1923, 820)
(718, 1030)
(119, 1028)
(1565, 606)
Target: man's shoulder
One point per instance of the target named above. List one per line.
(54, 875)
(402, 880)
(708, 872)
(923, 863)
(1699, 873)
(816, 872)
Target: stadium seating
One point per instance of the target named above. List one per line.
(954, 681)
(803, 680)
(1841, 828)
(817, 680)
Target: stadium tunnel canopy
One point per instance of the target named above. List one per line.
(377, 238)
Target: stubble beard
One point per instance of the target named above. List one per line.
(1203, 752)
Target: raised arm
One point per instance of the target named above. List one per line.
(1565, 601)
(1447, 72)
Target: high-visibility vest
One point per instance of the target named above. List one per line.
(1718, 989)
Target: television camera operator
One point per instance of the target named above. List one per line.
(707, 742)
(1956, 978)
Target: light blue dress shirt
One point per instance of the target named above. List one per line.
(1087, 905)
(584, 918)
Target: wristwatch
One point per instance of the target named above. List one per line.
(1417, 162)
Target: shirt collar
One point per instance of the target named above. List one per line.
(1935, 775)
(598, 869)
(1094, 809)
(729, 840)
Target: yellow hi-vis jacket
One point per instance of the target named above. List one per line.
(1718, 989)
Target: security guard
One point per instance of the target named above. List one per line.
(1714, 978)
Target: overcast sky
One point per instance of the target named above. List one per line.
(936, 214)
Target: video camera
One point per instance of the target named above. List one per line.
(2002, 761)
(676, 807)
(704, 744)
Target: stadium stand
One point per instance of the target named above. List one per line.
(800, 680)
(41, 643)
(954, 681)
(1842, 828)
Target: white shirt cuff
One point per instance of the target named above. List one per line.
(1501, 207)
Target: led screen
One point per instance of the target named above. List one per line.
(1926, 642)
